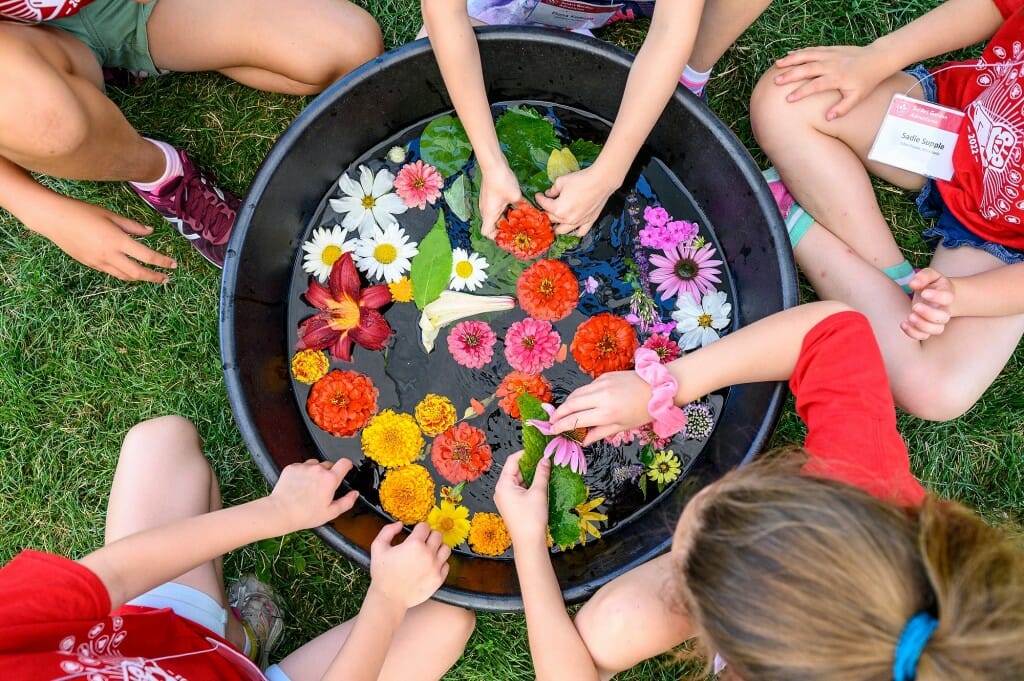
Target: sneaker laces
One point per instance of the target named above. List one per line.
(205, 207)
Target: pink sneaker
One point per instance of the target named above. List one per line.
(203, 213)
(783, 199)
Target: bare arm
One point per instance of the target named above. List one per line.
(937, 299)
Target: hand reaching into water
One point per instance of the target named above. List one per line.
(576, 200)
(498, 190)
(304, 494)
(524, 509)
(409, 573)
(610, 404)
(930, 309)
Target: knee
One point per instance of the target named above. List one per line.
(942, 401)
(456, 623)
(362, 42)
(44, 122)
(604, 625)
(172, 436)
(772, 118)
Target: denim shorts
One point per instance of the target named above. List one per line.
(948, 230)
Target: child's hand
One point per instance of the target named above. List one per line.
(929, 313)
(499, 188)
(524, 509)
(304, 494)
(409, 573)
(854, 71)
(610, 404)
(575, 201)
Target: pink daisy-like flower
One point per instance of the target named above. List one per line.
(567, 448)
(666, 348)
(531, 345)
(472, 343)
(686, 270)
(418, 184)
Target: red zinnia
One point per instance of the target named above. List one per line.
(604, 343)
(548, 290)
(342, 402)
(525, 232)
(461, 453)
(517, 383)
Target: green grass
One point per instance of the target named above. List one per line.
(83, 357)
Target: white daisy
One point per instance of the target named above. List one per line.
(468, 270)
(385, 253)
(323, 250)
(700, 324)
(370, 202)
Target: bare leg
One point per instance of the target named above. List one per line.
(721, 23)
(429, 641)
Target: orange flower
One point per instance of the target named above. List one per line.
(461, 454)
(548, 290)
(517, 383)
(525, 232)
(309, 366)
(488, 534)
(604, 343)
(342, 402)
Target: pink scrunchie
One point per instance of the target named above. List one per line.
(668, 419)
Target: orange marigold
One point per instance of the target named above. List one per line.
(525, 232)
(604, 343)
(461, 454)
(342, 402)
(517, 383)
(407, 493)
(435, 414)
(548, 290)
(488, 535)
(309, 366)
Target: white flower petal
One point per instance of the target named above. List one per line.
(367, 225)
(350, 187)
(707, 336)
(391, 203)
(355, 218)
(690, 339)
(365, 181)
(346, 205)
(382, 183)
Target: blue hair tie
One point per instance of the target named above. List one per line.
(911, 644)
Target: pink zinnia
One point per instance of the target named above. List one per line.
(531, 345)
(686, 270)
(472, 343)
(418, 184)
(567, 448)
(666, 348)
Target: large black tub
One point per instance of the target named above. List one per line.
(402, 89)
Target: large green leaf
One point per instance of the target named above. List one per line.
(585, 152)
(534, 441)
(527, 139)
(566, 491)
(565, 528)
(445, 146)
(431, 268)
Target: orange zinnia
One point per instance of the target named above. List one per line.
(548, 290)
(604, 343)
(517, 383)
(461, 454)
(342, 402)
(525, 232)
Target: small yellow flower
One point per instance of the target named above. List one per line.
(451, 521)
(401, 290)
(488, 535)
(309, 366)
(435, 414)
(392, 439)
(407, 493)
(588, 516)
(665, 468)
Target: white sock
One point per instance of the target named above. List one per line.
(695, 80)
(172, 170)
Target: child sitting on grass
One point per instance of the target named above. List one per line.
(816, 115)
(56, 120)
(830, 563)
(680, 30)
(150, 603)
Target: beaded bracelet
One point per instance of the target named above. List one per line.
(667, 418)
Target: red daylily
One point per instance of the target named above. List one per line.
(350, 313)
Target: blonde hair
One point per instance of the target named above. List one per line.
(796, 578)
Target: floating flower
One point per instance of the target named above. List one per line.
(684, 269)
(517, 383)
(418, 184)
(468, 270)
(647, 436)
(656, 216)
(309, 366)
(590, 285)
(604, 343)
(461, 454)
(548, 290)
(392, 439)
(385, 253)
(342, 402)
(666, 348)
(323, 249)
(531, 345)
(624, 437)
(453, 305)
(435, 414)
(627, 473)
(401, 290)
(567, 448)
(451, 520)
(488, 535)
(588, 516)
(665, 467)
(561, 162)
(669, 235)
(700, 420)
(525, 232)
(350, 313)
(472, 343)
(369, 202)
(700, 324)
(397, 154)
(407, 493)
(453, 494)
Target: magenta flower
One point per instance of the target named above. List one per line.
(683, 231)
(531, 345)
(623, 438)
(567, 448)
(418, 184)
(666, 348)
(472, 343)
(657, 216)
(686, 270)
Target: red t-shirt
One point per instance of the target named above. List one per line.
(986, 192)
(35, 11)
(56, 623)
(842, 394)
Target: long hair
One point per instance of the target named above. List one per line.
(796, 578)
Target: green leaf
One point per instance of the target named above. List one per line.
(536, 183)
(534, 441)
(527, 139)
(564, 528)
(566, 489)
(298, 562)
(457, 197)
(563, 243)
(431, 268)
(445, 146)
(585, 152)
(647, 455)
(643, 486)
(530, 408)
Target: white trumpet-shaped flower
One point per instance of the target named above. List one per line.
(453, 305)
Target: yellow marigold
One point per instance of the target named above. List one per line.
(401, 290)
(488, 535)
(309, 366)
(435, 414)
(407, 493)
(451, 521)
(392, 439)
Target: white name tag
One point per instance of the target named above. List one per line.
(572, 13)
(918, 136)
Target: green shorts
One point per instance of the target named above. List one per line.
(115, 30)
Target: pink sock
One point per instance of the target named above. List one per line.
(172, 170)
